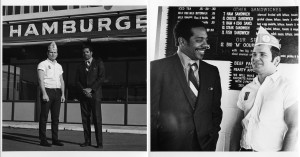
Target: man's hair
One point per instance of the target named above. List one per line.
(275, 52)
(87, 47)
(184, 29)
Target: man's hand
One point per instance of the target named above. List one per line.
(62, 99)
(87, 92)
(45, 97)
(89, 95)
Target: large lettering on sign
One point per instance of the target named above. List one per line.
(101, 26)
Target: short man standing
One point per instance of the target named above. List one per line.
(89, 78)
(267, 119)
(185, 94)
(52, 87)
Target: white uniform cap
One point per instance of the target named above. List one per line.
(264, 37)
(52, 46)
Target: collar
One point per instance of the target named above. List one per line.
(53, 62)
(185, 60)
(273, 77)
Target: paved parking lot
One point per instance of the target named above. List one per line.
(20, 139)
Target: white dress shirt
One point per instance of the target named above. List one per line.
(264, 104)
(52, 71)
(186, 61)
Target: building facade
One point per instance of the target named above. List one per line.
(117, 35)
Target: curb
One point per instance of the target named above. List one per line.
(78, 127)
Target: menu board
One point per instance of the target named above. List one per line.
(232, 32)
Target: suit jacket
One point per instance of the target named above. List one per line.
(174, 119)
(91, 79)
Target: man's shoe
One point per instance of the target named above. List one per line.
(100, 146)
(85, 144)
(45, 143)
(58, 143)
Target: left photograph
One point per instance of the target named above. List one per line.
(74, 78)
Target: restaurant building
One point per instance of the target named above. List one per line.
(117, 35)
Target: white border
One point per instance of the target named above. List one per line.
(151, 36)
(68, 153)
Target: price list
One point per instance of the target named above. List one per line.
(236, 28)
(240, 24)
(241, 74)
(206, 14)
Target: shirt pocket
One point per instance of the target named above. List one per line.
(49, 72)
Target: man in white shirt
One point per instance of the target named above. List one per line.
(52, 87)
(268, 106)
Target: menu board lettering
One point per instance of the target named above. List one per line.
(232, 33)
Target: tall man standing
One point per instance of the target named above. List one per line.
(268, 106)
(53, 88)
(89, 77)
(185, 94)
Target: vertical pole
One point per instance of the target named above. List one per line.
(126, 101)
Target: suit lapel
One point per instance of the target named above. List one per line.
(203, 75)
(90, 67)
(83, 66)
(92, 64)
(178, 68)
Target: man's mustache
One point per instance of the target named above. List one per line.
(206, 47)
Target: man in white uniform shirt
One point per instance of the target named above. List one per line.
(268, 106)
(52, 87)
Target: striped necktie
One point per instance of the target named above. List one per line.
(192, 79)
(87, 65)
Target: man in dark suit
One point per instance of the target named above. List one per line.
(185, 94)
(89, 77)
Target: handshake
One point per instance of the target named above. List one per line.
(87, 92)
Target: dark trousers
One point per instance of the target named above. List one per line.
(90, 106)
(54, 106)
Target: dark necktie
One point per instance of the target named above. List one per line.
(192, 79)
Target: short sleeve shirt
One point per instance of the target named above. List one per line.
(264, 104)
(53, 71)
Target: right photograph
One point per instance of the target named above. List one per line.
(225, 79)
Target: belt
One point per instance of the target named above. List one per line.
(53, 89)
(246, 150)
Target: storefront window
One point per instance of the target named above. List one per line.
(137, 93)
(7, 82)
(115, 72)
(137, 81)
(73, 93)
(114, 86)
(115, 93)
(26, 82)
